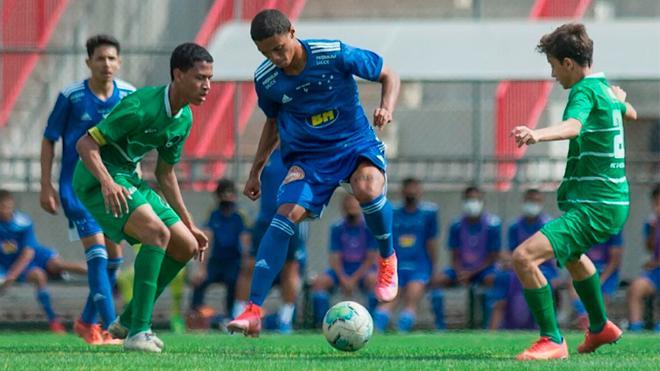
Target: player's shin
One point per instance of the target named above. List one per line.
(541, 304)
(147, 268)
(378, 216)
(591, 295)
(99, 284)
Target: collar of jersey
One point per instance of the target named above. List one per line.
(597, 75)
(168, 108)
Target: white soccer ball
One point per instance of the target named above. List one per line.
(347, 326)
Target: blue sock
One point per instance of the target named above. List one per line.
(321, 301)
(656, 328)
(636, 326)
(372, 302)
(381, 320)
(113, 266)
(579, 307)
(99, 283)
(270, 257)
(378, 216)
(88, 314)
(406, 320)
(437, 303)
(44, 299)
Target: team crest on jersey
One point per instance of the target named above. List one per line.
(323, 119)
(295, 173)
(174, 141)
(9, 247)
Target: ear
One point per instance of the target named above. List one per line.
(178, 74)
(568, 63)
(88, 61)
(292, 32)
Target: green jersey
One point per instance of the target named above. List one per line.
(595, 169)
(141, 122)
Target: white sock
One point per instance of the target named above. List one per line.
(239, 307)
(286, 312)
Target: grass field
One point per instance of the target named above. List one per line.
(460, 350)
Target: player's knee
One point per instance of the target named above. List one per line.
(158, 235)
(37, 276)
(521, 259)
(292, 212)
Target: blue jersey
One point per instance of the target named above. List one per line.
(412, 232)
(318, 111)
(521, 230)
(352, 242)
(271, 177)
(600, 254)
(649, 227)
(475, 240)
(15, 235)
(76, 110)
(227, 230)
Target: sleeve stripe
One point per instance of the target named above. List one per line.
(98, 137)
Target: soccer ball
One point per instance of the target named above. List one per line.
(347, 326)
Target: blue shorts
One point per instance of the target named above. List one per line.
(611, 284)
(653, 275)
(223, 271)
(477, 279)
(42, 255)
(310, 183)
(296, 251)
(407, 276)
(549, 272)
(79, 218)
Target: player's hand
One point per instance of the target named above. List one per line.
(464, 277)
(48, 199)
(345, 283)
(115, 198)
(382, 117)
(619, 93)
(199, 277)
(202, 242)
(524, 135)
(6, 284)
(252, 188)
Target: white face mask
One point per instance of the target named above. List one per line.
(531, 209)
(473, 208)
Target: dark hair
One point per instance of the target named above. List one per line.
(186, 55)
(100, 40)
(224, 186)
(656, 191)
(568, 41)
(267, 23)
(5, 195)
(531, 191)
(409, 181)
(471, 189)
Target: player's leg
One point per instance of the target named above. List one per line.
(115, 260)
(99, 300)
(321, 288)
(499, 297)
(56, 266)
(439, 282)
(641, 288)
(578, 307)
(383, 314)
(199, 291)
(538, 294)
(243, 285)
(289, 286)
(39, 279)
(368, 284)
(414, 292)
(368, 186)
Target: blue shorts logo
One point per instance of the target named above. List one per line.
(323, 119)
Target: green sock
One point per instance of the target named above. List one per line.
(168, 270)
(543, 308)
(147, 268)
(592, 297)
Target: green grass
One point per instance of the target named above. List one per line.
(450, 350)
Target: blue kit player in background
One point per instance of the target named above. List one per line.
(475, 241)
(79, 107)
(289, 279)
(510, 311)
(607, 258)
(415, 242)
(352, 256)
(310, 98)
(227, 229)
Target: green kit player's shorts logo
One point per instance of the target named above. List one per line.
(173, 141)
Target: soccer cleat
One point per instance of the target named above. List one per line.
(608, 335)
(248, 323)
(109, 340)
(544, 349)
(117, 330)
(159, 343)
(90, 333)
(57, 327)
(387, 283)
(141, 342)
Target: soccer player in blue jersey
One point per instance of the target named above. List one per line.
(415, 242)
(79, 107)
(17, 244)
(475, 240)
(510, 311)
(352, 257)
(289, 279)
(308, 93)
(649, 282)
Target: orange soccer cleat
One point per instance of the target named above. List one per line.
(107, 339)
(248, 323)
(57, 327)
(544, 349)
(387, 283)
(91, 333)
(608, 335)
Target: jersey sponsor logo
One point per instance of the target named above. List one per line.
(286, 99)
(323, 119)
(407, 241)
(295, 173)
(304, 87)
(151, 131)
(9, 247)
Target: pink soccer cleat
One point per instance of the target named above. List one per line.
(248, 323)
(387, 283)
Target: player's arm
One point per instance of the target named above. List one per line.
(54, 129)
(267, 143)
(630, 111)
(390, 86)
(567, 129)
(19, 265)
(432, 250)
(169, 185)
(616, 254)
(335, 265)
(365, 266)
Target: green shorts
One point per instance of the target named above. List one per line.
(88, 190)
(582, 227)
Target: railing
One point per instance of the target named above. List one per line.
(22, 173)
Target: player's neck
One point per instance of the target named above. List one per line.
(102, 89)
(298, 63)
(580, 74)
(176, 99)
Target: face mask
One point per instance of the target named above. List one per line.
(227, 204)
(472, 208)
(531, 209)
(410, 200)
(352, 218)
